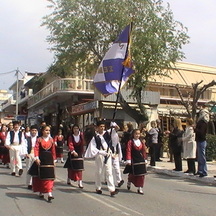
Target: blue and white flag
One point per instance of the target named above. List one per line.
(116, 66)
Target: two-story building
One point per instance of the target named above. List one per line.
(69, 100)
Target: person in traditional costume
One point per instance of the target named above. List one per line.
(59, 143)
(45, 155)
(136, 159)
(99, 148)
(4, 152)
(29, 153)
(15, 141)
(116, 153)
(74, 163)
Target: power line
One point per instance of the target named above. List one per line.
(7, 72)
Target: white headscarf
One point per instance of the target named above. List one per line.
(203, 115)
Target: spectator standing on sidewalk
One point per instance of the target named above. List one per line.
(189, 146)
(153, 132)
(201, 131)
(159, 146)
(176, 143)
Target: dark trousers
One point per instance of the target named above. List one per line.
(178, 161)
(152, 154)
(158, 151)
(191, 165)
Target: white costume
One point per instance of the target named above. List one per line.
(100, 154)
(29, 151)
(16, 150)
(116, 155)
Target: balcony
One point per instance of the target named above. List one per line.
(67, 85)
(9, 103)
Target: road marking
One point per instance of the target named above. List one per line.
(106, 203)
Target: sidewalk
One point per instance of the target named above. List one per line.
(166, 168)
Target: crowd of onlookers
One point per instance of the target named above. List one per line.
(188, 143)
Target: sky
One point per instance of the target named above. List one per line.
(23, 43)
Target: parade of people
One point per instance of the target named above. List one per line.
(74, 163)
(115, 119)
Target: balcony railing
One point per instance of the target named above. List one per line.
(8, 102)
(62, 85)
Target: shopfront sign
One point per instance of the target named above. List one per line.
(84, 108)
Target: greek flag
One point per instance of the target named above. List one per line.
(116, 66)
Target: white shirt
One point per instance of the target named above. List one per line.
(16, 138)
(25, 146)
(92, 150)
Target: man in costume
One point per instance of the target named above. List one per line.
(99, 148)
(116, 153)
(29, 152)
(15, 142)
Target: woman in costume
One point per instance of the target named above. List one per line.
(45, 155)
(136, 159)
(4, 152)
(59, 143)
(74, 162)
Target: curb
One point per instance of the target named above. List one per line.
(207, 180)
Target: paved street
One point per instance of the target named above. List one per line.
(164, 194)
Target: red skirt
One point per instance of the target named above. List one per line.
(5, 157)
(138, 181)
(74, 175)
(42, 186)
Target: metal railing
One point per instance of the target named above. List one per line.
(62, 85)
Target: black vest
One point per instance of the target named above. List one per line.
(29, 144)
(107, 138)
(12, 133)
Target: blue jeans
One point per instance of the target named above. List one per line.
(201, 157)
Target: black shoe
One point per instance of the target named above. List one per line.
(202, 175)
(68, 181)
(113, 193)
(128, 186)
(29, 187)
(197, 173)
(120, 183)
(187, 171)
(99, 191)
(20, 172)
(50, 198)
(177, 170)
(159, 160)
(41, 196)
(13, 173)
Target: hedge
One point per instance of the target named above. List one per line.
(211, 147)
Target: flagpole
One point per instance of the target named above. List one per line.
(119, 88)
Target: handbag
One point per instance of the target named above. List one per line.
(127, 169)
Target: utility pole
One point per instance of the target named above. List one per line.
(17, 91)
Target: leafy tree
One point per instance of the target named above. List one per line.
(81, 32)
